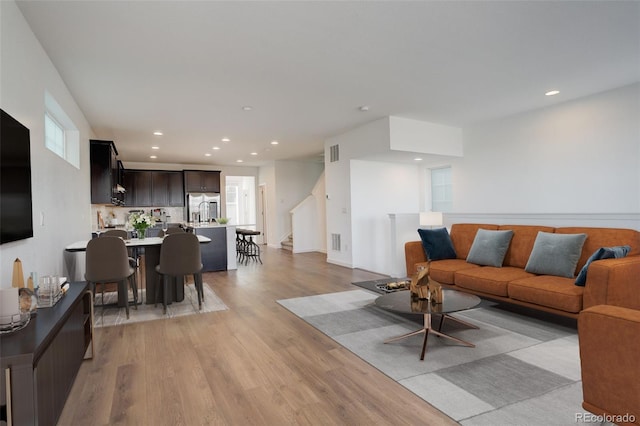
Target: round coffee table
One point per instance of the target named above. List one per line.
(452, 301)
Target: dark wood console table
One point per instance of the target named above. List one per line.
(41, 361)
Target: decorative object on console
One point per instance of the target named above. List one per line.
(141, 222)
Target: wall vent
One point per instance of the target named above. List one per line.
(335, 242)
(334, 153)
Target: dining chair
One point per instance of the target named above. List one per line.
(107, 261)
(134, 255)
(174, 230)
(180, 257)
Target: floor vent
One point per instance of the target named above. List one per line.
(334, 153)
(335, 242)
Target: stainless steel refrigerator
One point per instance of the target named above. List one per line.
(203, 207)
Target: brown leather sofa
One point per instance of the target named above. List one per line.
(609, 341)
(607, 307)
(607, 279)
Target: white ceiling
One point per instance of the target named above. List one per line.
(187, 68)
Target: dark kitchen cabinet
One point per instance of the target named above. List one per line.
(202, 181)
(167, 189)
(138, 186)
(154, 188)
(104, 173)
(176, 189)
(41, 361)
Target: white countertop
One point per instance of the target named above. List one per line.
(133, 242)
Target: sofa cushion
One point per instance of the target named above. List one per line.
(488, 279)
(437, 244)
(548, 290)
(444, 270)
(602, 253)
(603, 237)
(555, 254)
(524, 236)
(463, 234)
(489, 247)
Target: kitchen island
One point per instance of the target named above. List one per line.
(220, 255)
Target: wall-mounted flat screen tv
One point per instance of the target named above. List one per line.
(16, 218)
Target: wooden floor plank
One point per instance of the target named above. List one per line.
(255, 363)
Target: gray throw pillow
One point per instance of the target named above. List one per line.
(555, 254)
(489, 247)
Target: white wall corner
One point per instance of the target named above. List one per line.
(424, 137)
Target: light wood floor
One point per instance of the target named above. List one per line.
(255, 363)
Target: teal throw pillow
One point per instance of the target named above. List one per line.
(437, 244)
(555, 254)
(602, 253)
(489, 247)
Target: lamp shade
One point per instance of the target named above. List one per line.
(430, 218)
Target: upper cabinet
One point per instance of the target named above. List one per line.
(202, 181)
(105, 173)
(153, 188)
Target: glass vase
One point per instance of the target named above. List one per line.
(142, 233)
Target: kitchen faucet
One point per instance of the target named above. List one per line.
(204, 212)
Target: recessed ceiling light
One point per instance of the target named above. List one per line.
(552, 92)
(364, 108)
(254, 153)
(216, 147)
(226, 140)
(155, 147)
(153, 156)
(208, 154)
(247, 108)
(158, 133)
(417, 159)
(239, 161)
(274, 142)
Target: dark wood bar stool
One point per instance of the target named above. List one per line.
(247, 248)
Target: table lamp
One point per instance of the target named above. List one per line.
(431, 219)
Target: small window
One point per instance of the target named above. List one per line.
(54, 135)
(441, 190)
(60, 134)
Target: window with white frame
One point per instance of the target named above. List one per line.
(54, 135)
(60, 134)
(441, 190)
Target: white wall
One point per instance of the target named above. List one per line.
(61, 192)
(294, 181)
(581, 156)
(428, 138)
(378, 189)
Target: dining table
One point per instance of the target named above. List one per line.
(151, 246)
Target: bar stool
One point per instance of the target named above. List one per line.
(180, 256)
(249, 249)
(107, 261)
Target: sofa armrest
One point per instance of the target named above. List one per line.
(413, 253)
(608, 337)
(613, 282)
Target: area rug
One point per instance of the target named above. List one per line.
(523, 370)
(110, 316)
